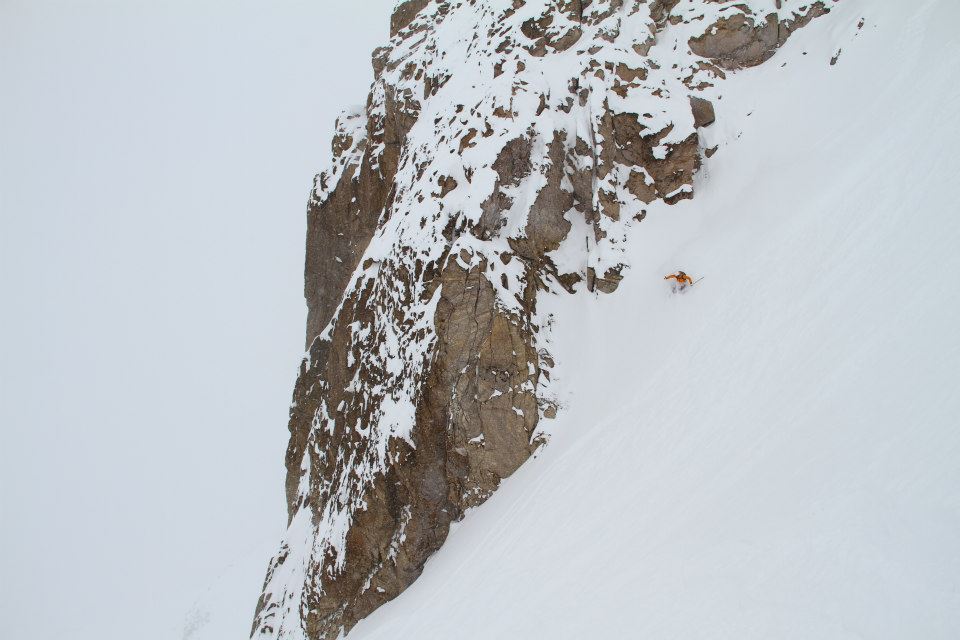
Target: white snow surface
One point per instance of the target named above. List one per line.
(772, 454)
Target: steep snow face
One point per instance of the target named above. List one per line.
(774, 453)
(508, 148)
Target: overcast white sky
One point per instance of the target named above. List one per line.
(155, 160)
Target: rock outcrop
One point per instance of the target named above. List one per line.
(745, 40)
(504, 152)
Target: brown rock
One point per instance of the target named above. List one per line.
(404, 14)
(474, 426)
(703, 114)
(738, 41)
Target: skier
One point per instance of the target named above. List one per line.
(683, 280)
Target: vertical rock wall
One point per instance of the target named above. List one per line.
(505, 149)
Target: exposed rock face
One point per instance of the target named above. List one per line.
(340, 226)
(703, 113)
(404, 14)
(505, 150)
(745, 40)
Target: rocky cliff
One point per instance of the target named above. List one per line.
(505, 149)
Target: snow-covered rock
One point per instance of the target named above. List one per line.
(507, 149)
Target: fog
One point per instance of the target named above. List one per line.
(155, 160)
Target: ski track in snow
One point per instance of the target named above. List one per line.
(772, 454)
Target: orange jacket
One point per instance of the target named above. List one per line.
(680, 277)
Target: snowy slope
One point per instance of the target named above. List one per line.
(774, 454)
